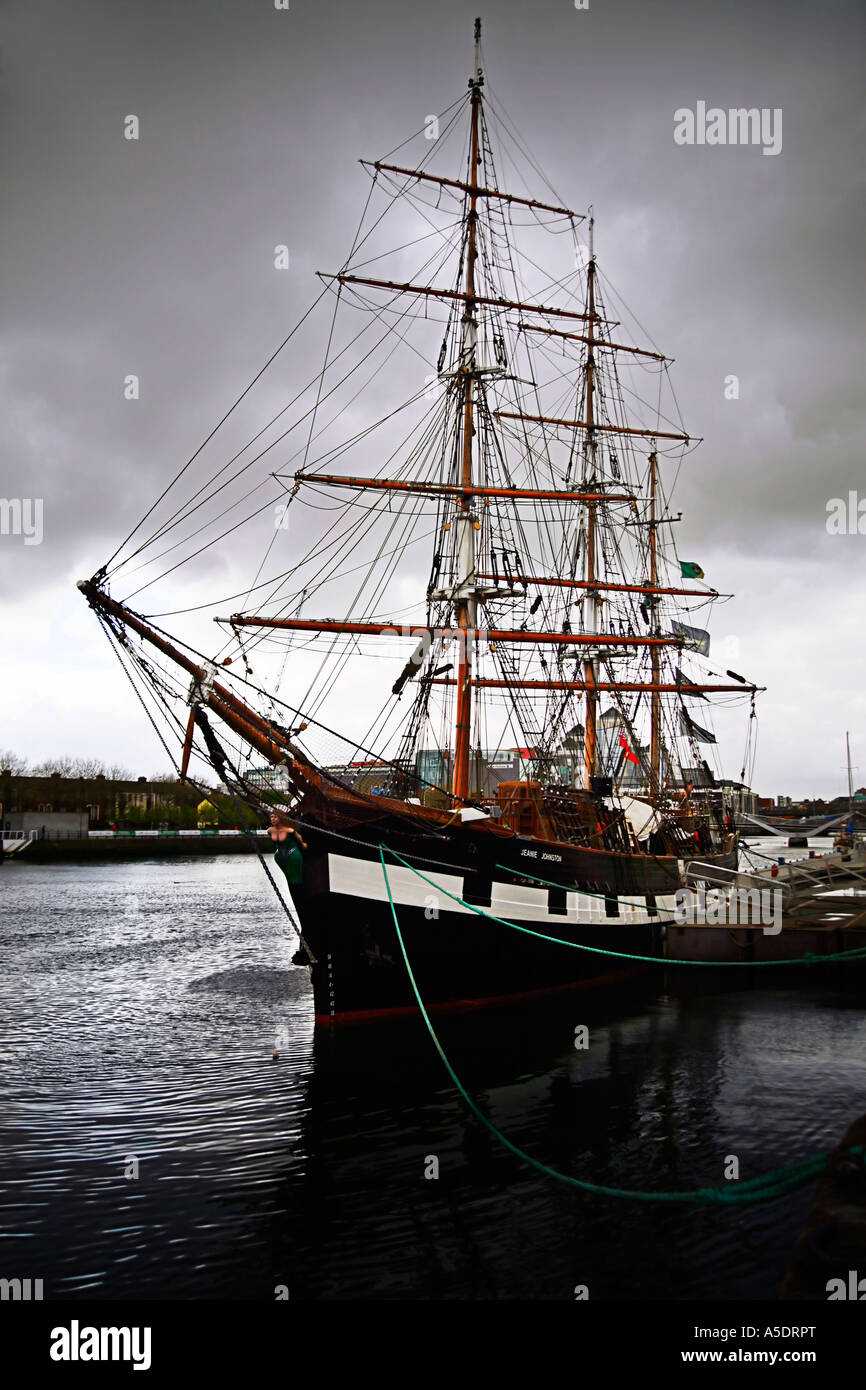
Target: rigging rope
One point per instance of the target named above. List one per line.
(206, 792)
(206, 441)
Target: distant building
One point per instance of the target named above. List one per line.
(738, 795)
(56, 805)
(562, 762)
(375, 776)
(699, 778)
(47, 825)
(735, 795)
(371, 776)
(434, 767)
(273, 779)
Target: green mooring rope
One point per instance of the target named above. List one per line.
(767, 1188)
(807, 958)
(855, 953)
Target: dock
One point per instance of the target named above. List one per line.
(820, 911)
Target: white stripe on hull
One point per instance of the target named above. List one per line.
(516, 902)
(363, 878)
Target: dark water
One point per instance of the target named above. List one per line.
(140, 1007)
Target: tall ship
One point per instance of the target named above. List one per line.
(467, 662)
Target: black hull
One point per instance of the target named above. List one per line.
(461, 958)
(360, 972)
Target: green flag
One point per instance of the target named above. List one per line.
(689, 570)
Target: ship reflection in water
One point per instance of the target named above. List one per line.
(153, 1149)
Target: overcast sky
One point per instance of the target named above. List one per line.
(155, 257)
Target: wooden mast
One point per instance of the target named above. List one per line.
(467, 603)
(416, 630)
(668, 687)
(851, 819)
(436, 489)
(495, 302)
(656, 707)
(588, 424)
(473, 188)
(597, 342)
(590, 623)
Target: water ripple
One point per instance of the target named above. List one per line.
(152, 1147)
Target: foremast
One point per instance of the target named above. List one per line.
(467, 593)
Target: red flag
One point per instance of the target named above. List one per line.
(623, 743)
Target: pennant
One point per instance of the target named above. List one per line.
(696, 638)
(688, 726)
(681, 679)
(689, 570)
(623, 743)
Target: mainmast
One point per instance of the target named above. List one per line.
(590, 624)
(466, 596)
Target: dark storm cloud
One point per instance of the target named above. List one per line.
(155, 257)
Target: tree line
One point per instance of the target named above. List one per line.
(72, 767)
